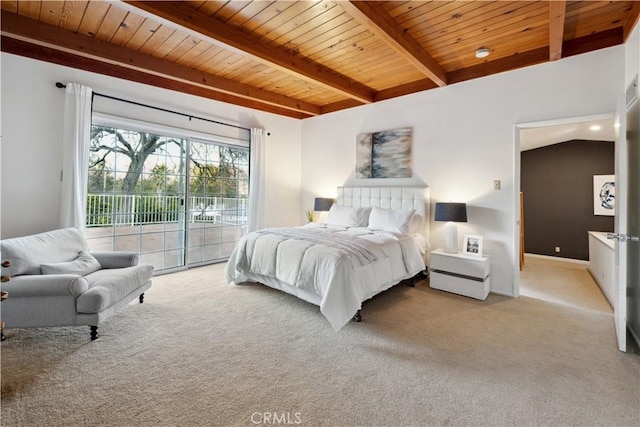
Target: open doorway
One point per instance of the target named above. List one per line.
(555, 165)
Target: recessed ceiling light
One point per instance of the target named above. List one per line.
(595, 127)
(483, 52)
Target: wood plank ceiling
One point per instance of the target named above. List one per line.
(305, 58)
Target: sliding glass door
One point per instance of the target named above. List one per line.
(218, 193)
(174, 200)
(135, 195)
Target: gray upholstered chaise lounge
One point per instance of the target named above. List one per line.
(55, 281)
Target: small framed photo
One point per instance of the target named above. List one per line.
(472, 245)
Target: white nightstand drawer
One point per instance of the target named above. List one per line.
(458, 285)
(460, 264)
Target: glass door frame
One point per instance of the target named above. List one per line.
(188, 136)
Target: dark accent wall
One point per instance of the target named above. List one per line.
(557, 184)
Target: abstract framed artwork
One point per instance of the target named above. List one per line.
(604, 195)
(385, 154)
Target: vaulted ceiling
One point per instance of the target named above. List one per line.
(305, 58)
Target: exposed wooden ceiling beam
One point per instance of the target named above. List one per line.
(591, 42)
(181, 16)
(36, 32)
(405, 89)
(557, 10)
(524, 59)
(577, 46)
(340, 105)
(632, 20)
(373, 16)
(42, 53)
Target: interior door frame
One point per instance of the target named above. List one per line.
(517, 128)
(622, 178)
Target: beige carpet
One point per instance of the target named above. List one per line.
(199, 352)
(562, 282)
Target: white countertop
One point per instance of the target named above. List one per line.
(602, 237)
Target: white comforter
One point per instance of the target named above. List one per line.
(341, 266)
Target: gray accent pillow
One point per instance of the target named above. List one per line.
(83, 265)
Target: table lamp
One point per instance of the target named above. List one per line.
(451, 213)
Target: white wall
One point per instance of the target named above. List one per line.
(463, 139)
(632, 55)
(32, 109)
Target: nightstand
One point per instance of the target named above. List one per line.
(459, 273)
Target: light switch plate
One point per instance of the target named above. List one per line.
(496, 184)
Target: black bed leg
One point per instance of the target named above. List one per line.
(94, 332)
(357, 317)
(422, 275)
(141, 298)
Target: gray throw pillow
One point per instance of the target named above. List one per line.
(83, 265)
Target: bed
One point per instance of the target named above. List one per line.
(373, 239)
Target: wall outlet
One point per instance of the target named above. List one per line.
(558, 249)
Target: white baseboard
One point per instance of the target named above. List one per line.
(555, 258)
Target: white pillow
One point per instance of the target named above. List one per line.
(417, 224)
(395, 220)
(83, 265)
(348, 216)
(363, 216)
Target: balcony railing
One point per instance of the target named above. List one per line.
(122, 209)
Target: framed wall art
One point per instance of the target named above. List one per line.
(604, 195)
(385, 154)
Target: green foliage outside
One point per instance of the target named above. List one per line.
(155, 195)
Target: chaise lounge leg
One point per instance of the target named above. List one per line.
(141, 298)
(357, 317)
(94, 332)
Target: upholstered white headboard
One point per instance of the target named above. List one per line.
(416, 198)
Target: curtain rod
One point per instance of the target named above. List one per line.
(190, 116)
